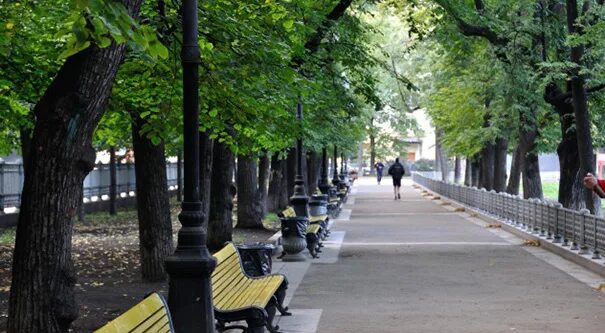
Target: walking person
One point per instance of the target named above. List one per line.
(379, 166)
(397, 171)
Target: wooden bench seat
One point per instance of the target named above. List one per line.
(149, 316)
(237, 296)
(318, 218)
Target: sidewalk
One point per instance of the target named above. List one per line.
(414, 265)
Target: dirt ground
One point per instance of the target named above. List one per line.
(105, 253)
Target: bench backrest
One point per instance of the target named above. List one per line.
(151, 316)
(227, 275)
(233, 290)
(289, 212)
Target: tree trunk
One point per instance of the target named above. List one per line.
(43, 277)
(437, 151)
(113, 182)
(284, 198)
(153, 203)
(264, 165)
(488, 159)
(360, 159)
(475, 167)
(441, 156)
(291, 174)
(220, 218)
(206, 153)
(500, 165)
(457, 169)
(249, 210)
(514, 181)
(567, 150)
(276, 179)
(313, 167)
(468, 174)
(532, 182)
(372, 154)
(81, 211)
(580, 105)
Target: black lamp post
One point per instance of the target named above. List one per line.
(335, 179)
(324, 182)
(299, 200)
(190, 267)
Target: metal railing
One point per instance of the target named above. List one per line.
(578, 230)
(97, 184)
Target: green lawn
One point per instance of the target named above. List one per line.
(551, 190)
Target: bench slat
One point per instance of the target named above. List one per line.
(313, 228)
(232, 289)
(226, 294)
(318, 218)
(150, 315)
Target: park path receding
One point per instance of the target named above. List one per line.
(414, 266)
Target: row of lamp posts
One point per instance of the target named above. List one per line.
(191, 265)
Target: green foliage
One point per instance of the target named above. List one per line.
(425, 165)
(102, 22)
(28, 61)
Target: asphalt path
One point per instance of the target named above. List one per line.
(413, 265)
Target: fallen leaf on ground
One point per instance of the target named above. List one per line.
(531, 242)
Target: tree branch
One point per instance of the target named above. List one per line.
(471, 30)
(314, 41)
(595, 88)
(479, 5)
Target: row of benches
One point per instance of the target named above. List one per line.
(312, 227)
(236, 296)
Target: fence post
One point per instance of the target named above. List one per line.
(557, 238)
(128, 166)
(113, 182)
(595, 250)
(549, 217)
(574, 240)
(583, 246)
(543, 205)
(1, 187)
(565, 240)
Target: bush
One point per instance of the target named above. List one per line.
(423, 165)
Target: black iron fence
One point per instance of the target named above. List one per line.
(578, 230)
(97, 184)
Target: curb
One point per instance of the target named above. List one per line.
(582, 260)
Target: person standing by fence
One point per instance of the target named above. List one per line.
(379, 167)
(597, 185)
(397, 171)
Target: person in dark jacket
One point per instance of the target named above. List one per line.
(379, 166)
(397, 171)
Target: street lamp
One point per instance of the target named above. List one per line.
(324, 183)
(190, 267)
(299, 200)
(335, 179)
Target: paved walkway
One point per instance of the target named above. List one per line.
(414, 265)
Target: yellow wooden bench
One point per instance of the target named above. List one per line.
(237, 296)
(314, 232)
(318, 218)
(149, 316)
(289, 212)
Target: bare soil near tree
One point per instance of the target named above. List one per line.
(106, 256)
